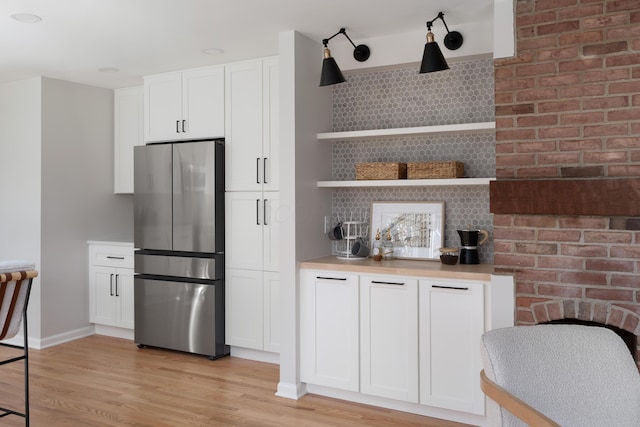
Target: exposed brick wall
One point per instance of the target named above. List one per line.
(568, 106)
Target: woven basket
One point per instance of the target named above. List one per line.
(381, 170)
(425, 170)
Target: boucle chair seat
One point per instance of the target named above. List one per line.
(568, 375)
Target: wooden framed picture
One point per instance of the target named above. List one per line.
(416, 228)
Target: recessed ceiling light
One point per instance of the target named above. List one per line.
(27, 18)
(108, 70)
(213, 51)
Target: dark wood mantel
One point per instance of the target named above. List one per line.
(603, 196)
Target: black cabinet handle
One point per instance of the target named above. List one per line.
(257, 170)
(183, 126)
(450, 287)
(264, 170)
(177, 126)
(111, 285)
(387, 283)
(117, 293)
(257, 211)
(114, 257)
(264, 212)
(331, 278)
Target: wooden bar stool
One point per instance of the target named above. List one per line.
(15, 286)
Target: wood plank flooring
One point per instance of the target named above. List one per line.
(104, 381)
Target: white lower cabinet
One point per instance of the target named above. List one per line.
(111, 286)
(252, 309)
(329, 329)
(389, 337)
(411, 339)
(451, 325)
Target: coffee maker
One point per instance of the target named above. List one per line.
(469, 242)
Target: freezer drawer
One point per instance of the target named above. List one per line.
(180, 316)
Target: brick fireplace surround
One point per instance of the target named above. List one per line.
(566, 203)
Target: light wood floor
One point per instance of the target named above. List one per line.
(104, 381)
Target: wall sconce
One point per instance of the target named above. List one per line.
(432, 58)
(331, 73)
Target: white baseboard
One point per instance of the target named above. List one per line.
(112, 331)
(291, 391)
(63, 337)
(257, 355)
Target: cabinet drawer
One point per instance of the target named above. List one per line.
(112, 257)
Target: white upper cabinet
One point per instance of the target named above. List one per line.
(184, 105)
(128, 111)
(252, 125)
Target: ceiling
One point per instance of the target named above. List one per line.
(139, 37)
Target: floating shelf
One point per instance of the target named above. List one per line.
(423, 130)
(407, 183)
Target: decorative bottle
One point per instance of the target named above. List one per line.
(377, 247)
(387, 246)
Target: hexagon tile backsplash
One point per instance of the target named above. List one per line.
(403, 98)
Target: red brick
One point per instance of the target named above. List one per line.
(529, 301)
(514, 260)
(617, 143)
(540, 313)
(554, 107)
(525, 32)
(560, 291)
(537, 248)
(630, 323)
(517, 134)
(514, 84)
(600, 313)
(582, 171)
(583, 250)
(555, 54)
(578, 12)
(609, 294)
(535, 18)
(535, 146)
(502, 220)
(537, 120)
(537, 275)
(635, 156)
(606, 157)
(553, 4)
(559, 132)
(606, 130)
(503, 173)
(504, 122)
(625, 252)
(558, 27)
(513, 234)
(580, 145)
(515, 160)
(524, 317)
(605, 75)
(517, 109)
(503, 247)
(610, 265)
(583, 278)
(581, 118)
(583, 222)
(541, 172)
(536, 69)
(605, 48)
(523, 288)
(536, 221)
(623, 115)
(635, 45)
(615, 317)
(580, 65)
(624, 33)
(635, 17)
(562, 263)
(503, 99)
(615, 6)
(504, 148)
(559, 235)
(624, 87)
(607, 237)
(607, 21)
(581, 91)
(502, 73)
(605, 103)
(580, 38)
(560, 80)
(625, 280)
(536, 95)
(624, 170)
(622, 60)
(635, 128)
(554, 311)
(558, 158)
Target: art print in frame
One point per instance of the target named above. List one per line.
(416, 228)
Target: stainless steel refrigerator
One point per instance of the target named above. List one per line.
(179, 236)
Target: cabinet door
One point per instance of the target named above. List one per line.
(162, 107)
(244, 227)
(243, 109)
(102, 296)
(329, 333)
(244, 308)
(389, 337)
(271, 125)
(451, 325)
(272, 311)
(203, 103)
(124, 298)
(128, 123)
(271, 221)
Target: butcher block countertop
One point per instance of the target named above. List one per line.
(401, 267)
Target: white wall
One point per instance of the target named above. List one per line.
(20, 181)
(78, 203)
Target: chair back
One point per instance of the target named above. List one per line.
(15, 284)
(576, 375)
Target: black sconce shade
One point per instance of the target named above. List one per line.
(432, 57)
(331, 73)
